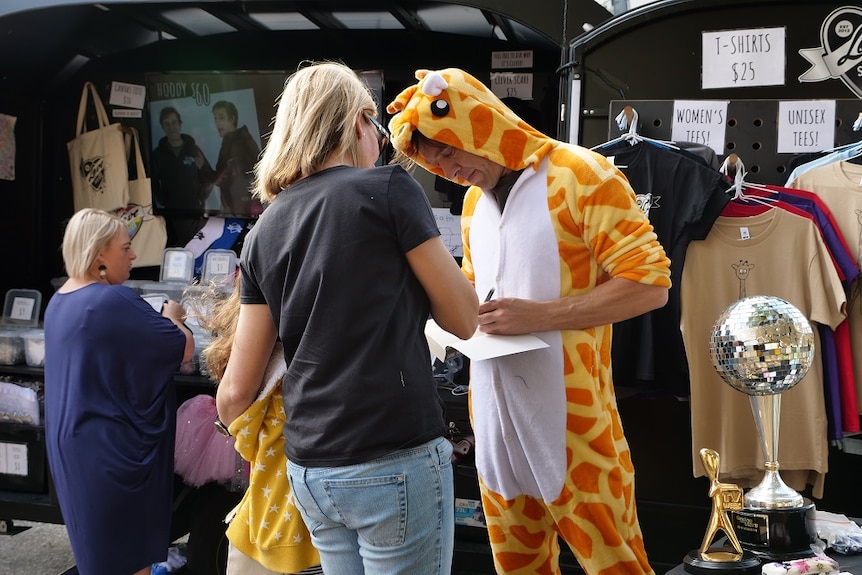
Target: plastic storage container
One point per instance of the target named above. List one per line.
(178, 265)
(173, 290)
(34, 347)
(136, 285)
(11, 346)
(22, 307)
(219, 268)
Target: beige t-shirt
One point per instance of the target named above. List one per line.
(777, 254)
(839, 186)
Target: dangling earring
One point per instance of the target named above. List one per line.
(102, 273)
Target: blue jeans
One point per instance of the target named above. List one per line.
(390, 516)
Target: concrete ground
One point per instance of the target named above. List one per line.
(43, 549)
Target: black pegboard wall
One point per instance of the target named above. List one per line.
(751, 132)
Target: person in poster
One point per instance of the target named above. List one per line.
(236, 159)
(182, 178)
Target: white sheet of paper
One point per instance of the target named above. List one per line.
(481, 345)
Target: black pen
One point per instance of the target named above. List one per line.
(489, 296)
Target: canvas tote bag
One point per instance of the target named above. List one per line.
(100, 172)
(148, 232)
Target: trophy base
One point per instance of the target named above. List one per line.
(721, 562)
(776, 534)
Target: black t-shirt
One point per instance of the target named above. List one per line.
(328, 257)
(682, 198)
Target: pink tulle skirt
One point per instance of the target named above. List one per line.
(202, 454)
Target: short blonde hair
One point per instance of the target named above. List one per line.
(315, 118)
(87, 234)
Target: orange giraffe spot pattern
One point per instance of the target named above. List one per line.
(580, 397)
(586, 477)
(552, 458)
(532, 540)
(482, 120)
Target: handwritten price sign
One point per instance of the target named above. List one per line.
(743, 58)
(805, 126)
(198, 91)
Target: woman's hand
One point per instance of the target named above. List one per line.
(174, 311)
(177, 314)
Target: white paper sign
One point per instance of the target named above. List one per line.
(175, 265)
(218, 265)
(127, 95)
(124, 113)
(743, 58)
(512, 85)
(13, 459)
(806, 126)
(700, 121)
(450, 230)
(511, 59)
(22, 308)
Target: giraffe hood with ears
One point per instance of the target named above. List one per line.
(452, 107)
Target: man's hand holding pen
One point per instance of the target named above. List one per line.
(509, 316)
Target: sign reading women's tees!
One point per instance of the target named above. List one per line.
(700, 121)
(805, 126)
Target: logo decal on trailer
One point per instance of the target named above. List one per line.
(840, 55)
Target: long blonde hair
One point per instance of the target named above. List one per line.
(316, 113)
(221, 322)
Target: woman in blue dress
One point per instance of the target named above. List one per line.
(110, 404)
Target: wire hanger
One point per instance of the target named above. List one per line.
(841, 153)
(628, 119)
(733, 167)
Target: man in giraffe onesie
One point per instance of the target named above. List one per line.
(555, 230)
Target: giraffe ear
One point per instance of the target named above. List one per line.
(434, 84)
(400, 102)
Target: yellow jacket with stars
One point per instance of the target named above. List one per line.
(267, 526)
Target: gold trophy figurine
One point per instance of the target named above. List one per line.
(725, 497)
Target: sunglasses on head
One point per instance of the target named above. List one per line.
(383, 133)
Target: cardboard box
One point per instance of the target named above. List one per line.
(469, 512)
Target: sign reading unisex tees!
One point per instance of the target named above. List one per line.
(743, 58)
(806, 126)
(700, 121)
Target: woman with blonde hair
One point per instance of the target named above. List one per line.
(344, 266)
(110, 403)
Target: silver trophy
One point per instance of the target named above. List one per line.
(763, 346)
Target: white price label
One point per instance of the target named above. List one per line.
(175, 266)
(22, 308)
(512, 85)
(743, 58)
(13, 459)
(218, 265)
